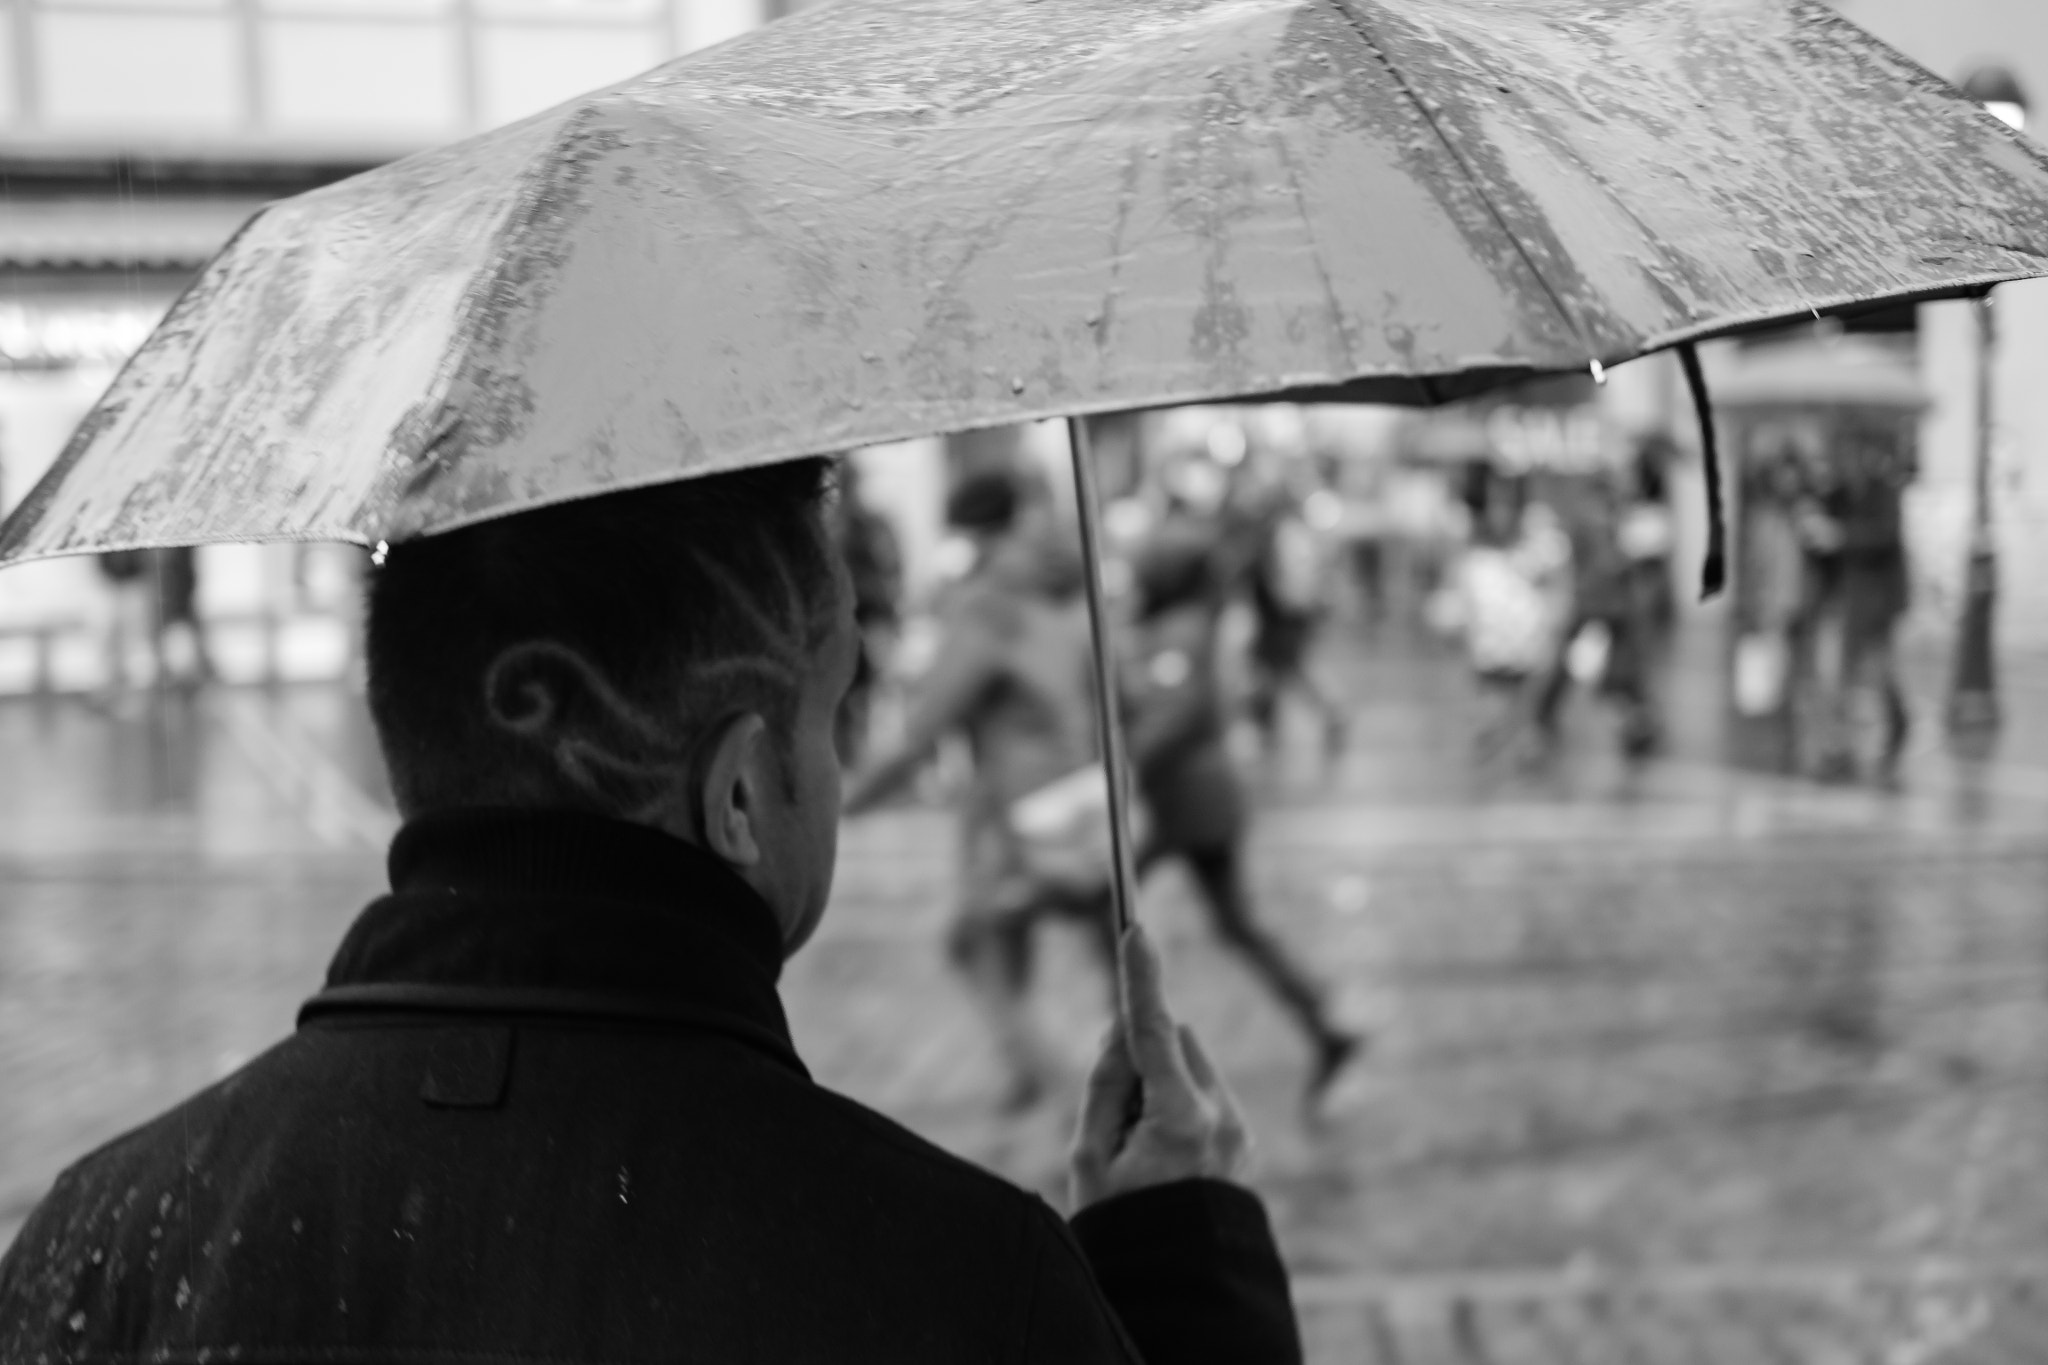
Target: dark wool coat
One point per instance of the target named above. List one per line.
(547, 1109)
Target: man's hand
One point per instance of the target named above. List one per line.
(1156, 1111)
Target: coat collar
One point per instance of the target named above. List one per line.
(509, 912)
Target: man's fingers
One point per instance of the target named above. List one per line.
(1106, 1102)
(1154, 1043)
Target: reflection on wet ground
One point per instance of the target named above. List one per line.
(1688, 1059)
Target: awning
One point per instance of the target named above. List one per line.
(145, 232)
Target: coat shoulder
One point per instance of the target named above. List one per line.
(891, 1141)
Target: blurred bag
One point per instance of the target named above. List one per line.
(1762, 661)
(1587, 656)
(1062, 831)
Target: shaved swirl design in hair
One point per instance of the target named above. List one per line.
(603, 639)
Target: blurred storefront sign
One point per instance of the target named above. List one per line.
(1552, 425)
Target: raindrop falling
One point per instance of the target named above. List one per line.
(184, 1296)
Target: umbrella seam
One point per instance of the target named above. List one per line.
(1337, 316)
(443, 428)
(1358, 26)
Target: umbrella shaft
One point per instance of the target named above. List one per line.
(1122, 879)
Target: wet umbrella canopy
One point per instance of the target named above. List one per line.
(895, 217)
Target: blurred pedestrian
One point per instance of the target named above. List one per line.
(547, 1107)
(1509, 586)
(1290, 575)
(1773, 656)
(1606, 636)
(1013, 676)
(1178, 726)
(874, 564)
(1857, 542)
(179, 631)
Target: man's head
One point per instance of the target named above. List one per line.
(674, 656)
(985, 505)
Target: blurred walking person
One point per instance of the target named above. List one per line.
(1178, 725)
(874, 563)
(1507, 589)
(1606, 638)
(1289, 572)
(176, 616)
(1289, 580)
(1012, 675)
(1858, 548)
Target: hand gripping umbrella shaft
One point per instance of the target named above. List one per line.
(1123, 880)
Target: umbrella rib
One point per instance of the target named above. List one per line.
(1358, 25)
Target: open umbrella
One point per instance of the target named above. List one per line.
(895, 217)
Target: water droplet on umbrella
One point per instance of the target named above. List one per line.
(184, 1296)
(1017, 384)
(77, 1323)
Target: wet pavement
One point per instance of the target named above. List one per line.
(1683, 1062)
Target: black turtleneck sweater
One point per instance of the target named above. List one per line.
(547, 1109)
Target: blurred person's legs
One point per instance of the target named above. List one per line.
(1369, 576)
(1507, 698)
(1218, 872)
(993, 952)
(1833, 691)
(1626, 682)
(990, 945)
(1870, 666)
(177, 628)
(1549, 690)
(1281, 664)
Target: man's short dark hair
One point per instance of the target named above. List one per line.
(693, 600)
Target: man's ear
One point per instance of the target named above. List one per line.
(730, 785)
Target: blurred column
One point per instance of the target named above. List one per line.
(1973, 696)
